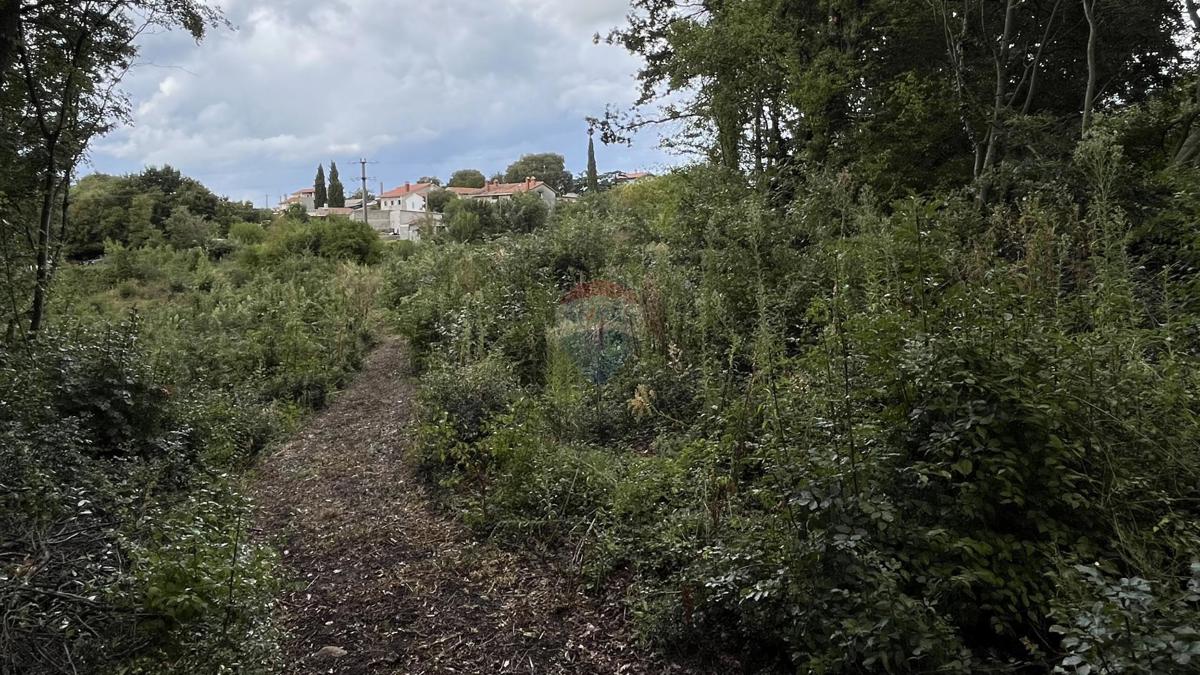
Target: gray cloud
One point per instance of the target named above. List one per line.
(419, 87)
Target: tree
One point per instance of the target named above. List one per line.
(1188, 151)
(321, 195)
(61, 63)
(134, 210)
(1089, 97)
(912, 100)
(438, 199)
(430, 180)
(593, 178)
(523, 213)
(464, 227)
(547, 167)
(470, 219)
(337, 193)
(359, 192)
(467, 178)
(340, 238)
(296, 212)
(186, 230)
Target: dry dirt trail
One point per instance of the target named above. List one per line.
(382, 582)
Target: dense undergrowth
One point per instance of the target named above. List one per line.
(854, 436)
(125, 428)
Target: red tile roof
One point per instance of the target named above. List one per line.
(405, 190)
(305, 191)
(507, 189)
(464, 191)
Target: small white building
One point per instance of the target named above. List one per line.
(407, 210)
(408, 197)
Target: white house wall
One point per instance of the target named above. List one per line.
(411, 202)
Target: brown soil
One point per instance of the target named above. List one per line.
(401, 587)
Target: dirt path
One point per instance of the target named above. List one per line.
(398, 587)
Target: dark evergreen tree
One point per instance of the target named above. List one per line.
(321, 196)
(593, 178)
(337, 193)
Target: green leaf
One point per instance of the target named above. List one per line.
(964, 466)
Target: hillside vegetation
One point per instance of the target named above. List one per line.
(125, 428)
(900, 373)
(913, 378)
(851, 434)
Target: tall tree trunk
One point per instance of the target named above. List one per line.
(1189, 148)
(729, 129)
(1037, 60)
(998, 103)
(1089, 97)
(10, 34)
(758, 139)
(37, 311)
(954, 50)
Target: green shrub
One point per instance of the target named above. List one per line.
(853, 437)
(334, 238)
(1128, 625)
(121, 433)
(186, 231)
(469, 396)
(247, 234)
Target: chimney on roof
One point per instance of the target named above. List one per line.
(407, 186)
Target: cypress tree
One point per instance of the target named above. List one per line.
(321, 196)
(593, 180)
(337, 193)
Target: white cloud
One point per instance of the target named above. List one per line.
(411, 84)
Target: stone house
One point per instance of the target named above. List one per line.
(496, 191)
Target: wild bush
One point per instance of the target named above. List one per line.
(247, 233)
(854, 436)
(119, 433)
(334, 238)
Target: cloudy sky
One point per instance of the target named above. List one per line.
(419, 88)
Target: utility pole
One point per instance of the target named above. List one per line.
(366, 215)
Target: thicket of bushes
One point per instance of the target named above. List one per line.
(156, 206)
(856, 436)
(124, 429)
(474, 219)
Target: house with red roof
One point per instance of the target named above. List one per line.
(407, 197)
(496, 191)
(632, 176)
(407, 210)
(307, 197)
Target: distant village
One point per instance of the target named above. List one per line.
(402, 211)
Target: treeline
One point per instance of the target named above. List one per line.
(158, 205)
(548, 167)
(913, 378)
(61, 63)
(915, 96)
